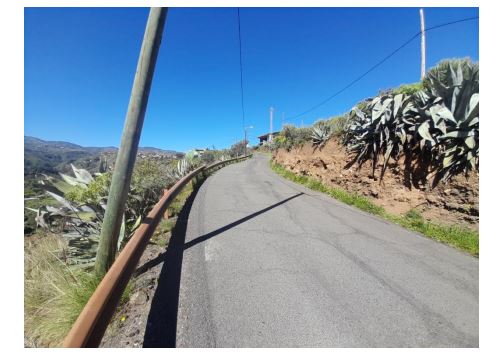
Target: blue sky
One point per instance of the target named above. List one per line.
(80, 63)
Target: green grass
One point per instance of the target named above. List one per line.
(459, 237)
(160, 236)
(176, 206)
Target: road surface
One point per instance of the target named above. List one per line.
(269, 263)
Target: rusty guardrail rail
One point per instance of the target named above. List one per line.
(89, 328)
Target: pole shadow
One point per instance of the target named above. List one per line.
(160, 331)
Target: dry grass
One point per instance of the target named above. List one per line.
(54, 292)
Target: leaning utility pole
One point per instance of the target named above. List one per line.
(121, 178)
(422, 44)
(270, 136)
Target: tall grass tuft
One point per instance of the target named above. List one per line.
(54, 292)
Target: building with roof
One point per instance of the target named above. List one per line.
(266, 137)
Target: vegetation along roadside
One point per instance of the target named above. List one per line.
(65, 212)
(409, 155)
(456, 236)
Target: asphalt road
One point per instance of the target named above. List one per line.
(268, 263)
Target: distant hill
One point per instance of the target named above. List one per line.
(42, 156)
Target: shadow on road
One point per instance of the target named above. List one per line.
(206, 236)
(160, 331)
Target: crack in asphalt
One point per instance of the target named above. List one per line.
(254, 249)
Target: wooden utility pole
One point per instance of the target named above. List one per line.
(422, 44)
(121, 178)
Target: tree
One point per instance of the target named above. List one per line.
(237, 149)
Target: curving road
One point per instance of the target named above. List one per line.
(268, 263)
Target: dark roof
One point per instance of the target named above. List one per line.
(267, 134)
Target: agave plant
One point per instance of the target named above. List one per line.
(379, 129)
(437, 129)
(79, 215)
(190, 161)
(457, 84)
(320, 134)
(461, 143)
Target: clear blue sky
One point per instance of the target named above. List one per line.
(80, 63)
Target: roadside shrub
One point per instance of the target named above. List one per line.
(291, 136)
(405, 89)
(338, 124)
(94, 191)
(208, 157)
(237, 149)
(408, 89)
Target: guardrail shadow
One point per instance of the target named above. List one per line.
(161, 325)
(160, 331)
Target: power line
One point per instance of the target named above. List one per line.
(240, 63)
(378, 64)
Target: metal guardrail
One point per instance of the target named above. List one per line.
(89, 328)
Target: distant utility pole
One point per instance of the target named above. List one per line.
(245, 138)
(270, 136)
(422, 44)
(283, 120)
(121, 178)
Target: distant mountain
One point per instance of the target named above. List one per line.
(42, 156)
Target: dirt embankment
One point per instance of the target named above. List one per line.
(455, 202)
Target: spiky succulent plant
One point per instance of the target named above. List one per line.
(379, 129)
(457, 84)
(437, 128)
(320, 134)
(82, 205)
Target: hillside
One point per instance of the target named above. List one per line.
(410, 151)
(42, 156)
(453, 203)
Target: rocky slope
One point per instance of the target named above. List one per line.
(455, 202)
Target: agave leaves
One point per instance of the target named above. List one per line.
(80, 223)
(455, 83)
(183, 166)
(378, 129)
(439, 128)
(461, 143)
(320, 134)
(82, 202)
(82, 177)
